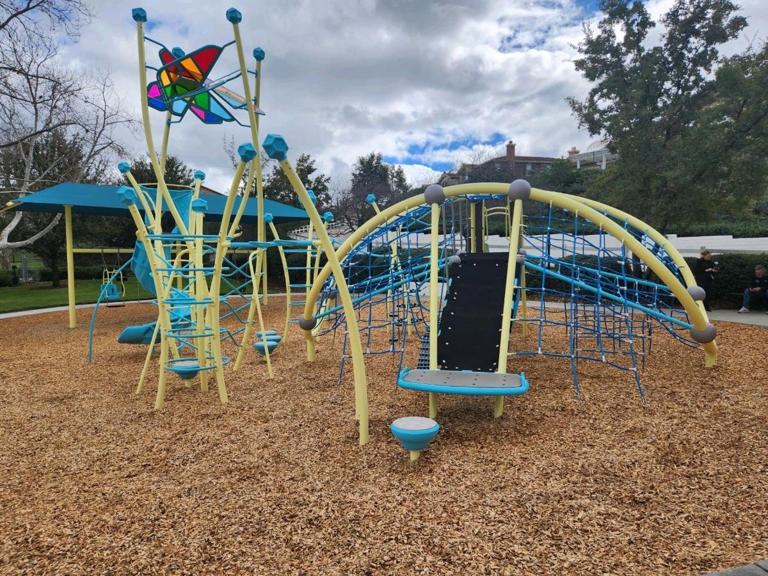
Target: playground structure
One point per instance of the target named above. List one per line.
(417, 271)
(197, 281)
(560, 271)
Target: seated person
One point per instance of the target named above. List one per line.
(758, 286)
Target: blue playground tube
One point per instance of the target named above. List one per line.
(141, 334)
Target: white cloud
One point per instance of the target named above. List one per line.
(343, 79)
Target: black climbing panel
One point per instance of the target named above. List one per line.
(470, 324)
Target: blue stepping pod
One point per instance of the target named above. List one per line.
(414, 433)
(271, 345)
(185, 369)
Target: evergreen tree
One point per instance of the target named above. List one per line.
(371, 176)
(176, 172)
(277, 187)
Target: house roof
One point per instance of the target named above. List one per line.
(546, 159)
(104, 201)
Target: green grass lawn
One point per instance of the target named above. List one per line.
(42, 295)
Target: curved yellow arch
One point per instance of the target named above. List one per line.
(657, 236)
(696, 314)
(588, 209)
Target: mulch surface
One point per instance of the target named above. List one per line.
(94, 481)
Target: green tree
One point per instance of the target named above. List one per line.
(371, 176)
(650, 102)
(277, 187)
(176, 172)
(726, 153)
(563, 176)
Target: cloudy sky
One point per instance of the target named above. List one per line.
(425, 83)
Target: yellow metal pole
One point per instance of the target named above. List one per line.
(99, 250)
(163, 317)
(70, 266)
(148, 213)
(166, 136)
(472, 228)
(509, 288)
(308, 275)
(287, 280)
(433, 299)
(358, 362)
(235, 17)
(483, 227)
(162, 190)
(147, 358)
(261, 230)
(200, 289)
(362, 231)
(246, 151)
(654, 234)
(277, 148)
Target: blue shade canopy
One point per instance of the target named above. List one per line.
(104, 201)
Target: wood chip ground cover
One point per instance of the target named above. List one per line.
(94, 481)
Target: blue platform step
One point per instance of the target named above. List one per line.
(463, 382)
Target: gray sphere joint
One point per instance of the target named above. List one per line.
(434, 194)
(697, 292)
(705, 335)
(307, 323)
(519, 190)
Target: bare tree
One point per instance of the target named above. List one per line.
(39, 96)
(26, 15)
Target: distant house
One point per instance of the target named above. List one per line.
(596, 156)
(509, 165)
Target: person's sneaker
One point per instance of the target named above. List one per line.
(743, 309)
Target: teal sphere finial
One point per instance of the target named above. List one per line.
(246, 152)
(139, 15)
(259, 54)
(328, 216)
(199, 175)
(371, 198)
(234, 16)
(199, 205)
(127, 195)
(275, 146)
(268, 217)
(124, 167)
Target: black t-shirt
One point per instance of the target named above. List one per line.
(759, 282)
(699, 270)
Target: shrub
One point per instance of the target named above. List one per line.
(9, 278)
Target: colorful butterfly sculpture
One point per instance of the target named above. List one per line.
(181, 86)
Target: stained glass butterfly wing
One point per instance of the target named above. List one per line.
(208, 109)
(155, 100)
(234, 100)
(155, 97)
(186, 73)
